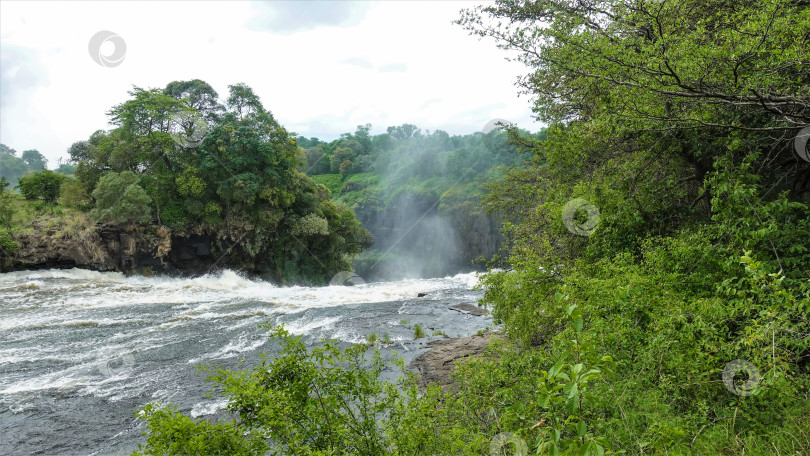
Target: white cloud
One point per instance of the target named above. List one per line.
(321, 74)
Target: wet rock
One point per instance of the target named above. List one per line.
(436, 364)
(134, 248)
(469, 309)
(421, 295)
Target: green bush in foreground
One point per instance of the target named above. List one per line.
(332, 401)
(326, 401)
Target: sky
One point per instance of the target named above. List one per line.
(322, 68)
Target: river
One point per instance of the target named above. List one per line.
(81, 351)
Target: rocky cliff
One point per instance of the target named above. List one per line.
(130, 249)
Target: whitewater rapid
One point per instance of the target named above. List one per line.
(80, 350)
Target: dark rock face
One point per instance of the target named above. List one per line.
(436, 364)
(130, 249)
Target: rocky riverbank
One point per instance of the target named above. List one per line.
(436, 365)
(135, 249)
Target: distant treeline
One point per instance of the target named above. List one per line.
(13, 167)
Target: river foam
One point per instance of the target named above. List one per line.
(81, 350)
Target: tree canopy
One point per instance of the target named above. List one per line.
(231, 170)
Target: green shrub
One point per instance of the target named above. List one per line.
(418, 332)
(73, 194)
(7, 243)
(119, 199)
(6, 209)
(44, 185)
(174, 214)
(301, 402)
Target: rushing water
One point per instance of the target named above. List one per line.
(80, 351)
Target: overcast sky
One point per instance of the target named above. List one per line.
(321, 68)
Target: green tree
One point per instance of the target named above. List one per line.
(119, 199)
(43, 185)
(652, 85)
(242, 180)
(243, 101)
(197, 95)
(34, 160)
(80, 150)
(66, 169)
(73, 194)
(339, 156)
(11, 166)
(6, 205)
(404, 131)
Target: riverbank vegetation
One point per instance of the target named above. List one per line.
(655, 282)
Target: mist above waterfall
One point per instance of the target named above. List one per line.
(418, 193)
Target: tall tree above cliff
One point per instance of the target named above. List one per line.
(34, 160)
(197, 95)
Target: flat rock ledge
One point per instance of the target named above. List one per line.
(436, 364)
(469, 309)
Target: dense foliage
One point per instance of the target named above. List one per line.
(44, 185)
(325, 401)
(179, 158)
(119, 198)
(7, 244)
(675, 120)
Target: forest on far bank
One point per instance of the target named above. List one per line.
(282, 207)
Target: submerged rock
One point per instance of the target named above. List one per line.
(469, 309)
